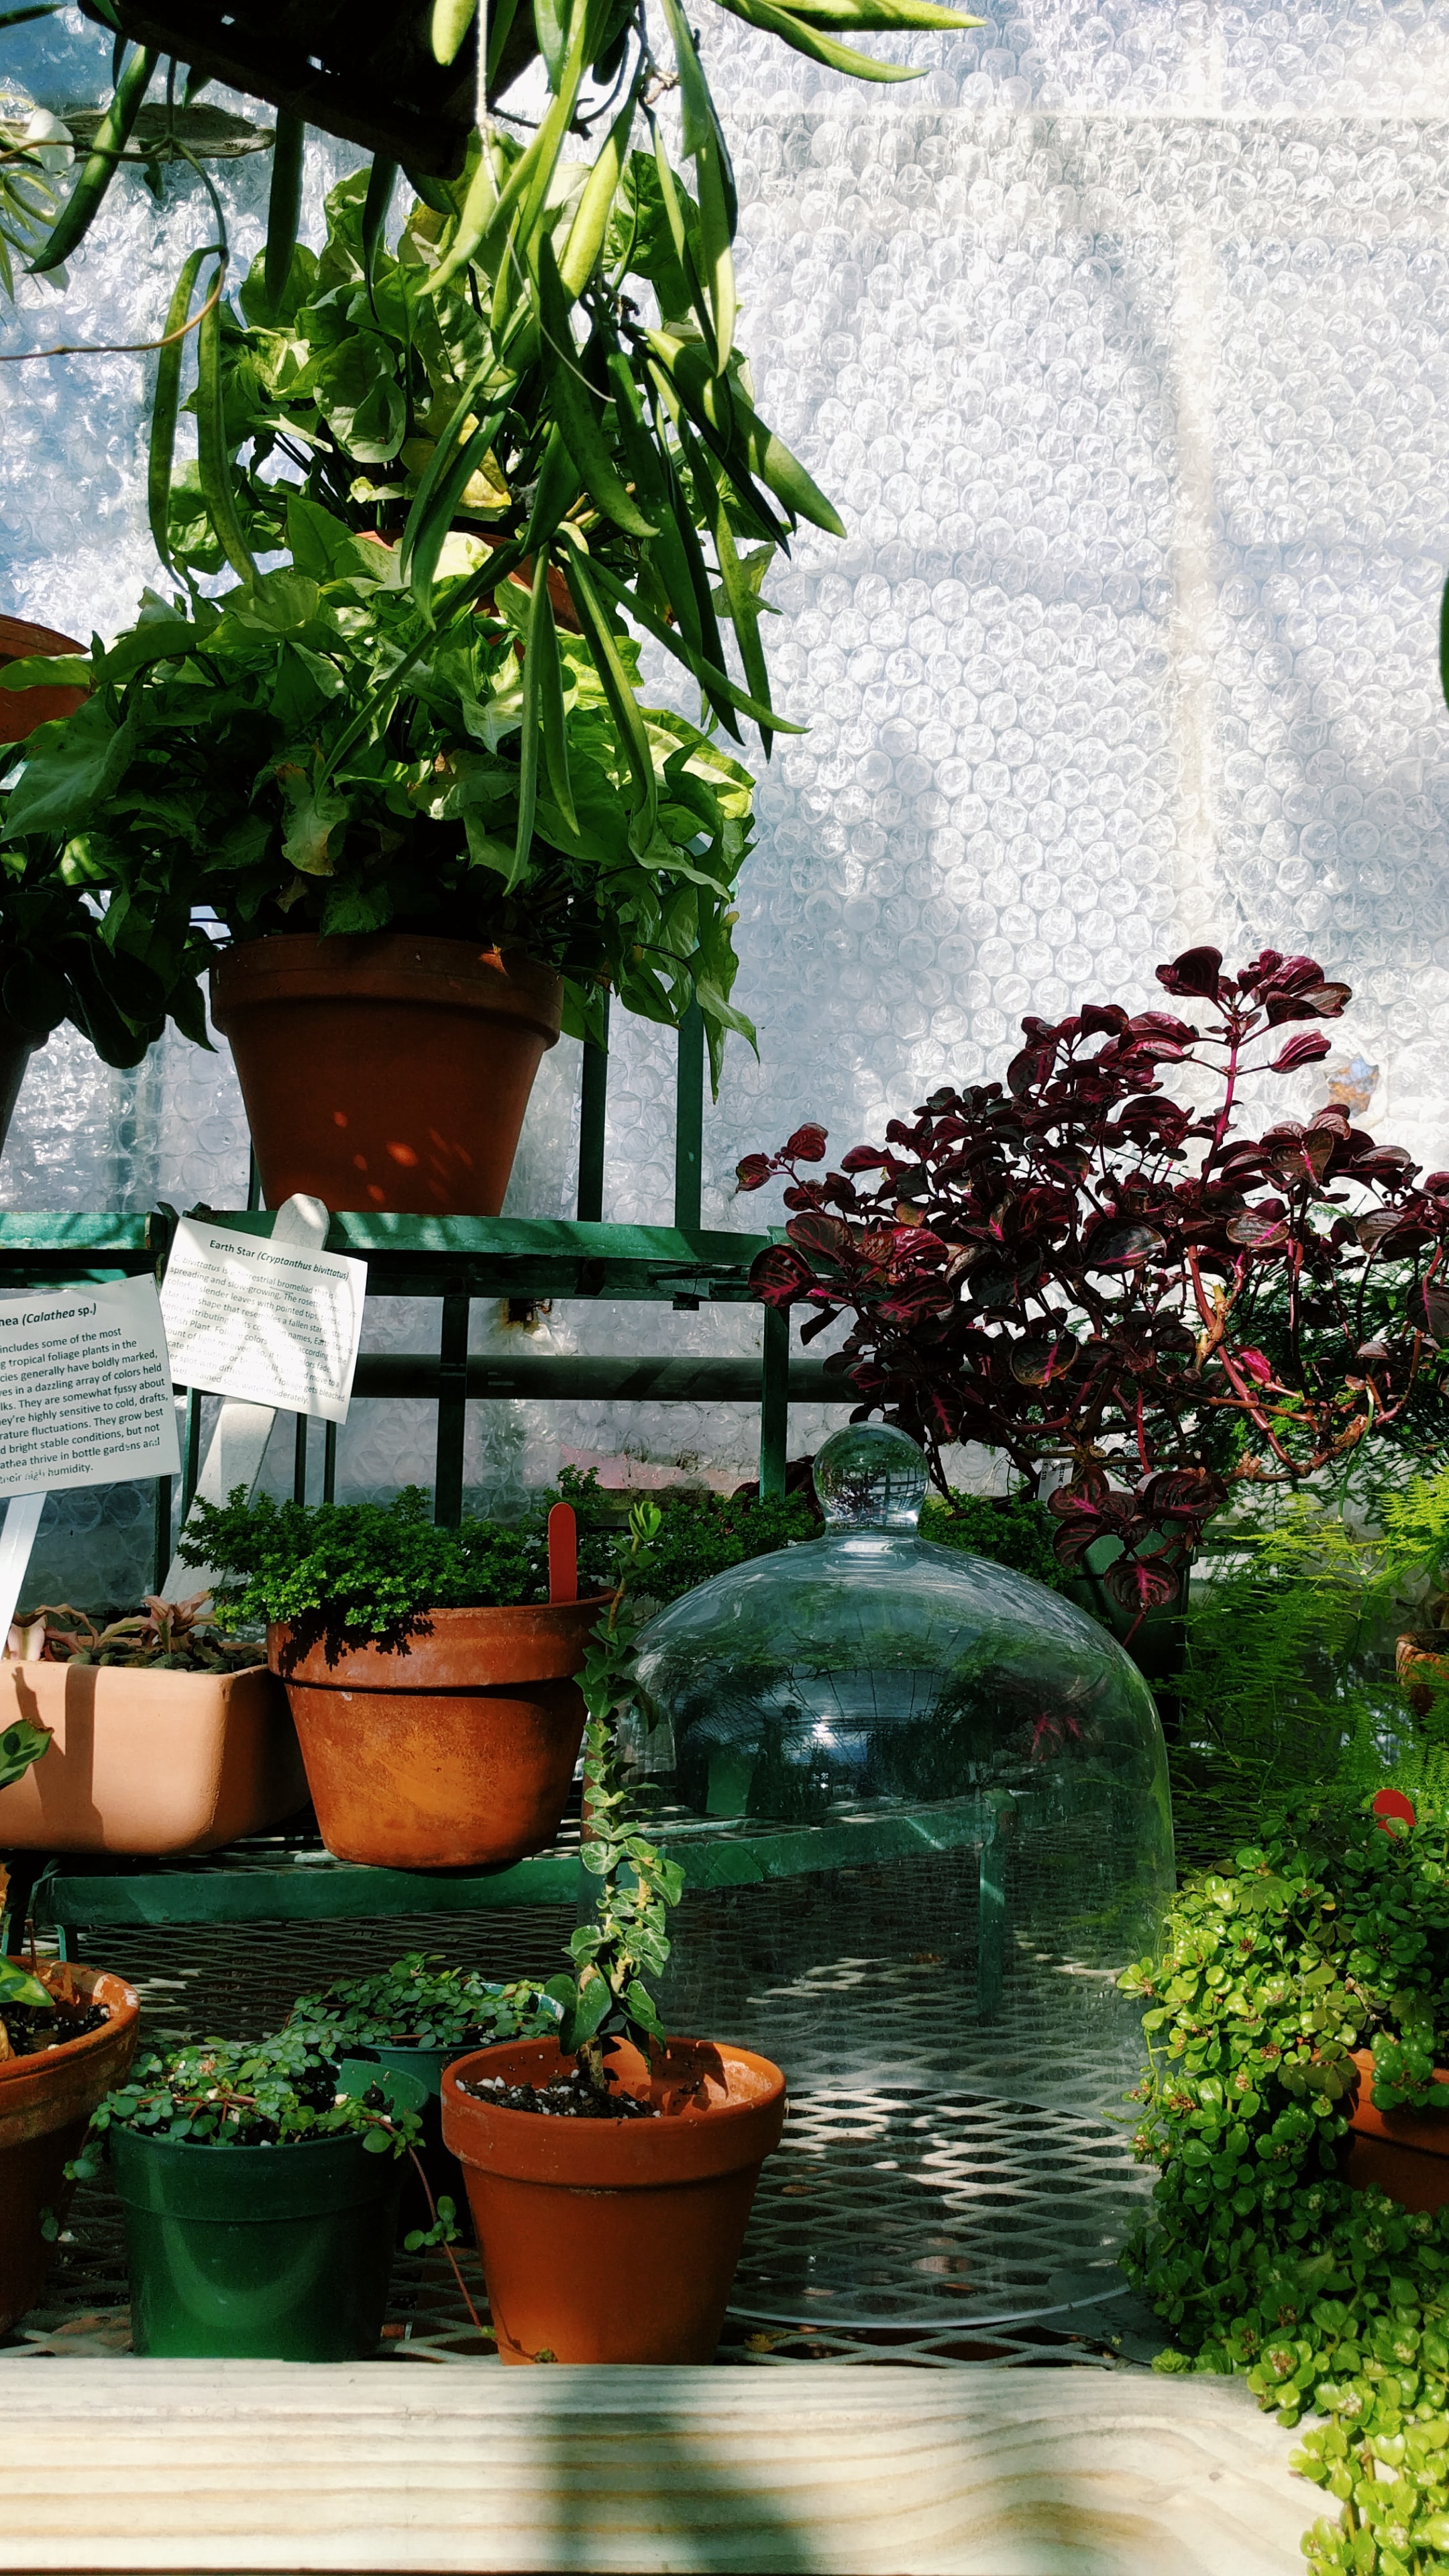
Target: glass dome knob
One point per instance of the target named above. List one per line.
(870, 1478)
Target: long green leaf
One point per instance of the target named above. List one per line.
(591, 221)
(674, 217)
(538, 609)
(674, 551)
(284, 204)
(623, 705)
(543, 640)
(451, 21)
(729, 456)
(878, 17)
(212, 455)
(723, 407)
(704, 143)
(166, 402)
(572, 404)
(820, 49)
(83, 204)
(488, 211)
(744, 617)
(699, 669)
(558, 487)
(381, 181)
(432, 531)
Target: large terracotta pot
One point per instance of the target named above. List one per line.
(148, 1763)
(1405, 2153)
(614, 2240)
(46, 2102)
(21, 710)
(385, 1072)
(453, 1750)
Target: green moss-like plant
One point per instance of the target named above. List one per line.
(420, 2003)
(367, 1570)
(1332, 1934)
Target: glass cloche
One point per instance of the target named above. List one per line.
(922, 1806)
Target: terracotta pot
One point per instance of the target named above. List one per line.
(614, 2240)
(1421, 1661)
(148, 1762)
(1405, 2153)
(21, 710)
(454, 1750)
(46, 2101)
(386, 1072)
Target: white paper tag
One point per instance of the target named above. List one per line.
(85, 1388)
(270, 1323)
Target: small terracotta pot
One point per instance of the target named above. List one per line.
(21, 710)
(1421, 1661)
(453, 1750)
(614, 2240)
(46, 2101)
(385, 1072)
(1405, 2153)
(148, 1763)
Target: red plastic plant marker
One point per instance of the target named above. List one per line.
(1391, 1804)
(563, 1553)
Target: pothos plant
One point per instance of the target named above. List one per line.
(547, 359)
(627, 1941)
(1076, 1267)
(1331, 1936)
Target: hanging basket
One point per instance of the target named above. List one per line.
(366, 74)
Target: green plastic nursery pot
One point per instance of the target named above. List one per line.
(443, 2171)
(256, 2253)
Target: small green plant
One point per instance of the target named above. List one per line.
(420, 2003)
(1011, 1529)
(1331, 1935)
(163, 1636)
(627, 1941)
(701, 1534)
(366, 1570)
(251, 2093)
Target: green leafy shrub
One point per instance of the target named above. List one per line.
(702, 1534)
(1011, 1529)
(418, 2002)
(1330, 1936)
(251, 2093)
(368, 1570)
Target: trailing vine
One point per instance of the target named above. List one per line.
(627, 1939)
(1330, 1937)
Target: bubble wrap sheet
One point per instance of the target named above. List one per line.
(1121, 340)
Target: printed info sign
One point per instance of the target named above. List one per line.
(270, 1323)
(85, 1388)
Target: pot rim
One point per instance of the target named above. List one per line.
(120, 2008)
(697, 2145)
(423, 967)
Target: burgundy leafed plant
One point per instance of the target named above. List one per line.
(1082, 1267)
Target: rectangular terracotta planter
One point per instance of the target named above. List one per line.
(148, 1763)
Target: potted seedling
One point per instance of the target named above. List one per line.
(611, 2169)
(66, 2036)
(416, 2017)
(165, 1735)
(431, 1672)
(260, 2182)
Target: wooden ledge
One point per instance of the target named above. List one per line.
(823, 2470)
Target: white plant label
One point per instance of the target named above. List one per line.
(85, 1388)
(266, 1322)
